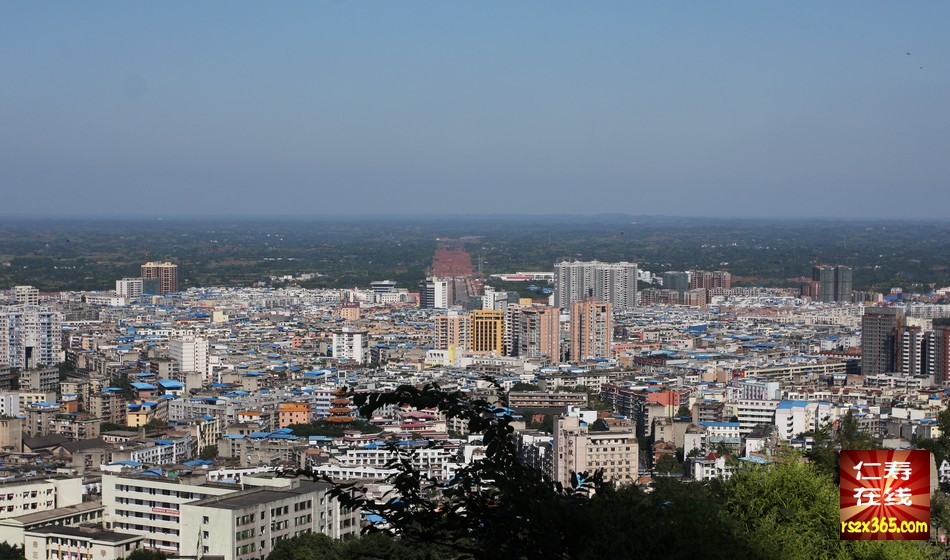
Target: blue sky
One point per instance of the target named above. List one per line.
(796, 109)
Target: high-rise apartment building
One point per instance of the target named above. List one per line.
(487, 330)
(917, 351)
(532, 331)
(941, 344)
(880, 340)
(654, 296)
(452, 332)
(833, 283)
(493, 299)
(351, 344)
(25, 295)
(191, 353)
(678, 281)
(29, 336)
(167, 274)
(615, 283)
(129, 287)
(708, 280)
(591, 329)
(576, 450)
(434, 293)
(697, 298)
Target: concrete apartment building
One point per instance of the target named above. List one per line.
(615, 283)
(435, 293)
(248, 524)
(109, 405)
(532, 331)
(591, 329)
(10, 404)
(351, 344)
(129, 288)
(13, 529)
(452, 332)
(881, 329)
(545, 399)
(29, 336)
(19, 497)
(576, 449)
(294, 413)
(185, 515)
(149, 505)
(191, 353)
(82, 543)
(941, 366)
(40, 379)
(165, 272)
(793, 418)
(487, 331)
(25, 295)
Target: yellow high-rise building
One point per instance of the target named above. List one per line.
(488, 329)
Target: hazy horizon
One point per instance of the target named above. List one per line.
(307, 109)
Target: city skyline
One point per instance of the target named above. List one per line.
(810, 110)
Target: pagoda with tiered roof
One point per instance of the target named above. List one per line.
(341, 409)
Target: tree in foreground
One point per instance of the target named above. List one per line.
(790, 510)
(494, 507)
(11, 552)
(497, 507)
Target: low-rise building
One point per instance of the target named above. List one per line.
(248, 524)
(54, 542)
(19, 497)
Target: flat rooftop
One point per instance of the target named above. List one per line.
(86, 533)
(49, 515)
(258, 496)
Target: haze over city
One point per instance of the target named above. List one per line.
(727, 109)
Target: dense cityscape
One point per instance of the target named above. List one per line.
(490, 280)
(170, 417)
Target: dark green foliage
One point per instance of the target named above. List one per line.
(520, 288)
(498, 508)
(791, 511)
(676, 520)
(312, 546)
(667, 464)
(352, 251)
(830, 440)
(11, 552)
(594, 402)
(208, 452)
(372, 546)
(521, 386)
(331, 429)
